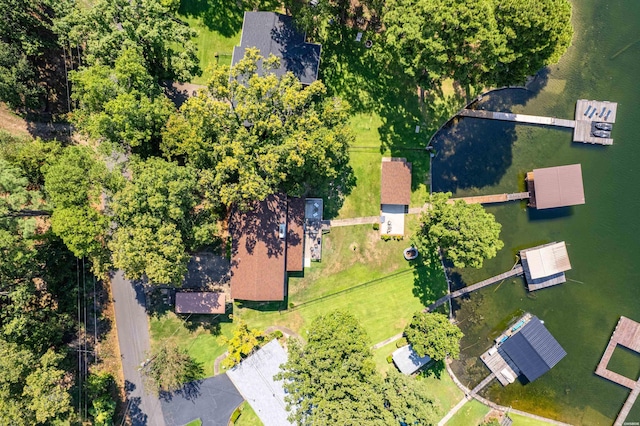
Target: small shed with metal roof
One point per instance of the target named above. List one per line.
(408, 361)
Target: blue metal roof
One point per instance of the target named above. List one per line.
(534, 350)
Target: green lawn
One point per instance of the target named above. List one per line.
(248, 416)
(351, 255)
(199, 339)
(471, 414)
(196, 422)
(217, 24)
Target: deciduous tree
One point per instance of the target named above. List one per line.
(409, 400)
(242, 344)
(149, 26)
(477, 43)
(332, 379)
(261, 134)
(465, 232)
(433, 335)
(171, 367)
(160, 215)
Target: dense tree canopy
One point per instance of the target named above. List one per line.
(479, 42)
(148, 26)
(261, 134)
(25, 35)
(465, 232)
(432, 334)
(122, 105)
(537, 33)
(33, 389)
(74, 181)
(158, 222)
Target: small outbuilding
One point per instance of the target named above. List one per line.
(408, 361)
(199, 302)
(533, 350)
(395, 194)
(554, 187)
(545, 265)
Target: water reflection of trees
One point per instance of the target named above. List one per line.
(476, 153)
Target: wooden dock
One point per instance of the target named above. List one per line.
(627, 334)
(603, 112)
(588, 113)
(497, 364)
(519, 118)
(496, 198)
(517, 270)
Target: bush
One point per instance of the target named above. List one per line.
(402, 342)
(376, 226)
(235, 415)
(275, 335)
(398, 237)
(386, 237)
(390, 359)
(100, 388)
(292, 305)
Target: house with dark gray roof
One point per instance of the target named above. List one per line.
(533, 350)
(275, 34)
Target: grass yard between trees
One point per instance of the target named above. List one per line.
(248, 417)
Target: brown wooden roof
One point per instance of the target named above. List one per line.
(558, 186)
(199, 303)
(395, 187)
(295, 235)
(257, 252)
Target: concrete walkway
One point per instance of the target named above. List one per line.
(354, 221)
(387, 341)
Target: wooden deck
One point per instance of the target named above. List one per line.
(517, 270)
(496, 198)
(605, 112)
(519, 118)
(627, 334)
(496, 364)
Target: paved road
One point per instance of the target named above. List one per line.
(133, 336)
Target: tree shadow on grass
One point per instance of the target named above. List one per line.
(211, 323)
(429, 279)
(434, 370)
(223, 16)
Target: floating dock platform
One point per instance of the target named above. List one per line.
(627, 334)
(587, 114)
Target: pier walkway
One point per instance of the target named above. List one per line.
(517, 270)
(520, 118)
(496, 198)
(627, 334)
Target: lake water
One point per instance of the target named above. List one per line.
(603, 236)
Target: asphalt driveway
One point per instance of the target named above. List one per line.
(211, 400)
(133, 336)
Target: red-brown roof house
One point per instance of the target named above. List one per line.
(267, 241)
(395, 185)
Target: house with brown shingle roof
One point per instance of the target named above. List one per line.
(267, 242)
(395, 194)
